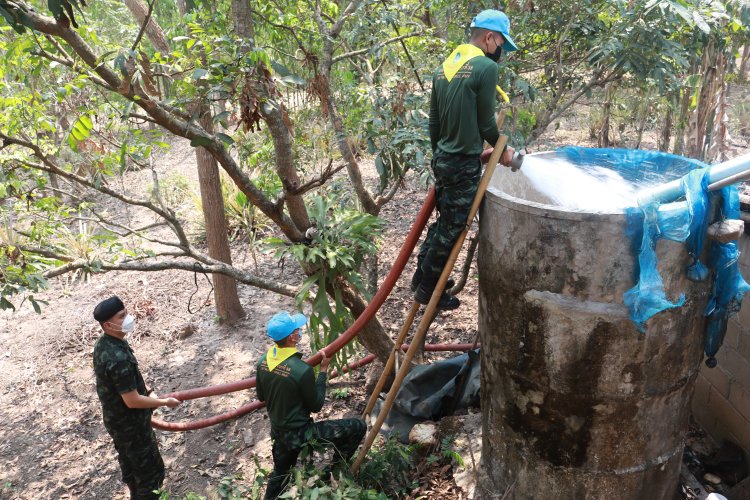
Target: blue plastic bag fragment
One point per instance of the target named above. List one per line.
(647, 297)
(677, 222)
(695, 186)
(729, 285)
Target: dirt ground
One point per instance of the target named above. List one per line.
(52, 441)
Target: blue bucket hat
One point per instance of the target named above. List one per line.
(494, 20)
(282, 324)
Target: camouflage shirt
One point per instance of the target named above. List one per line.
(117, 372)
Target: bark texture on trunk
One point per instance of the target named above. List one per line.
(700, 124)
(154, 33)
(228, 306)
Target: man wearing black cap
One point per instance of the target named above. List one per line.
(126, 405)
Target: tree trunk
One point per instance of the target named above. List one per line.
(744, 63)
(155, 34)
(719, 132)
(643, 114)
(665, 136)
(329, 107)
(373, 336)
(228, 307)
(278, 122)
(698, 133)
(603, 139)
(679, 134)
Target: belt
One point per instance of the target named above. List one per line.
(443, 154)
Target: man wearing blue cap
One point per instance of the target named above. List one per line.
(288, 386)
(462, 116)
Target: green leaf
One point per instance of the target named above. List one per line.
(35, 305)
(221, 117)
(126, 111)
(701, 23)
(224, 138)
(294, 80)
(5, 304)
(199, 73)
(85, 120)
(55, 6)
(120, 64)
(79, 136)
(200, 141)
(8, 17)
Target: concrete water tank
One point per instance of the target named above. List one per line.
(577, 403)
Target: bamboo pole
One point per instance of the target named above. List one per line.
(391, 359)
(431, 306)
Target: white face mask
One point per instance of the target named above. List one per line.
(128, 324)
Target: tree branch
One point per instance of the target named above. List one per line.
(329, 172)
(45, 253)
(378, 46)
(381, 200)
(143, 26)
(182, 265)
(166, 117)
(50, 167)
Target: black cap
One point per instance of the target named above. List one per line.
(107, 308)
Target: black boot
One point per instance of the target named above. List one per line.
(424, 291)
(416, 279)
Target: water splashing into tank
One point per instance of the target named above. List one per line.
(591, 180)
(581, 187)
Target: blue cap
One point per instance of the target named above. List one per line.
(494, 20)
(282, 324)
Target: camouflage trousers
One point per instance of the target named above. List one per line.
(342, 435)
(140, 462)
(456, 181)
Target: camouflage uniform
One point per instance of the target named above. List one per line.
(456, 182)
(462, 117)
(117, 372)
(291, 393)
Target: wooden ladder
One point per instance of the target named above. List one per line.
(429, 314)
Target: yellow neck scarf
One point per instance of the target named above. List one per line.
(276, 355)
(460, 56)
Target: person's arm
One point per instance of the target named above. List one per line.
(123, 376)
(314, 392)
(486, 113)
(486, 105)
(134, 400)
(259, 391)
(434, 117)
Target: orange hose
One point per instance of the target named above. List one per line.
(250, 407)
(331, 349)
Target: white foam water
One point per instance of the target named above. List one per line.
(588, 187)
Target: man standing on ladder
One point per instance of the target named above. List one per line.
(462, 115)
